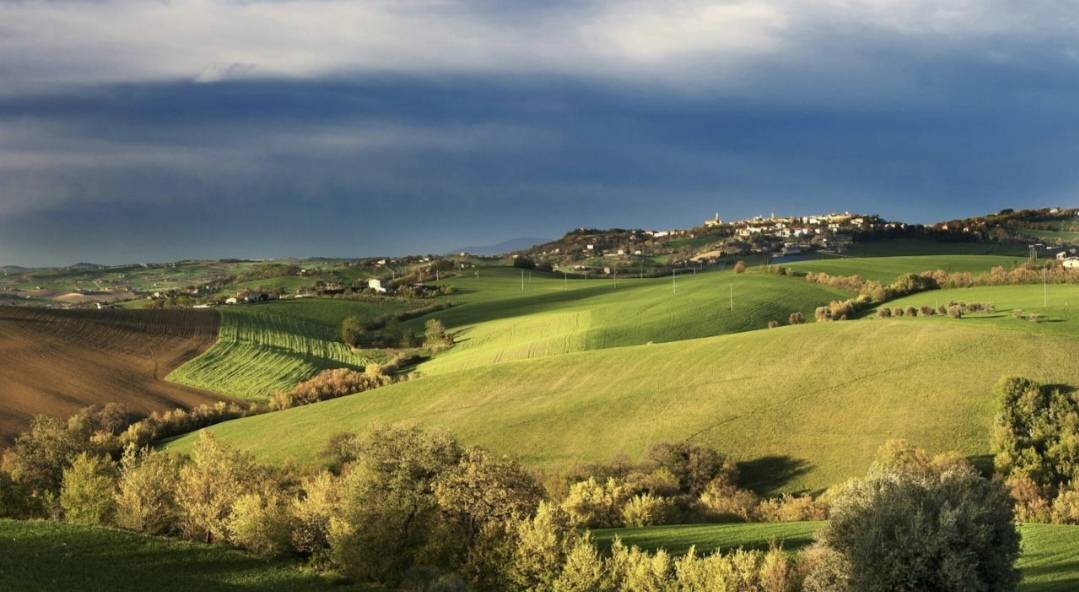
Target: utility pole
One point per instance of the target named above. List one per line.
(1045, 289)
(616, 278)
(732, 297)
(674, 282)
(522, 280)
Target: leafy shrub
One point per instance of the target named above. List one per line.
(773, 324)
(884, 312)
(789, 508)
(145, 497)
(1034, 432)
(796, 318)
(260, 523)
(87, 492)
(210, 485)
(1066, 507)
(935, 526)
(645, 510)
(593, 504)
(330, 384)
(740, 267)
(722, 500)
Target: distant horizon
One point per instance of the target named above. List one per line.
(261, 129)
(476, 246)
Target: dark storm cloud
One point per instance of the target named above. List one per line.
(917, 118)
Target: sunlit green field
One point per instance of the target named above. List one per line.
(262, 348)
(1049, 560)
(1058, 305)
(802, 406)
(500, 318)
(886, 269)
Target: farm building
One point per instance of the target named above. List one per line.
(376, 285)
(1071, 263)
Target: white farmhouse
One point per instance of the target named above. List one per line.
(376, 285)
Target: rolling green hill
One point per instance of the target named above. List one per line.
(803, 406)
(262, 348)
(48, 556)
(1058, 305)
(499, 321)
(886, 269)
(1049, 559)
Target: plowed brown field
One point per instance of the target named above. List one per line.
(55, 362)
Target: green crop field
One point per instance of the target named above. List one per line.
(1049, 559)
(886, 269)
(49, 556)
(1058, 305)
(802, 406)
(498, 320)
(707, 538)
(262, 348)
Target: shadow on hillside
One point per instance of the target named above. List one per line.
(983, 463)
(1061, 576)
(766, 474)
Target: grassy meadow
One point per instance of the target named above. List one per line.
(46, 556)
(886, 269)
(802, 406)
(262, 348)
(1057, 305)
(497, 320)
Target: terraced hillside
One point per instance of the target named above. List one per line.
(803, 406)
(263, 348)
(54, 362)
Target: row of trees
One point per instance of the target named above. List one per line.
(416, 510)
(387, 331)
(874, 292)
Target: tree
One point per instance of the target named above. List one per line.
(352, 329)
(210, 485)
(146, 493)
(1036, 432)
(87, 492)
(694, 466)
(261, 523)
(796, 318)
(740, 266)
(543, 543)
(478, 498)
(389, 512)
(40, 454)
(925, 525)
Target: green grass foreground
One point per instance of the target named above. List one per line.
(1049, 560)
(47, 556)
(50, 556)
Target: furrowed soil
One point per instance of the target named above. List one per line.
(54, 362)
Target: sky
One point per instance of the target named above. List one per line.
(156, 130)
